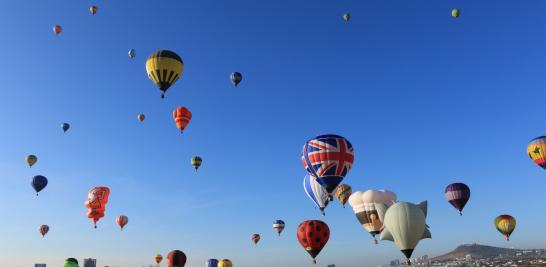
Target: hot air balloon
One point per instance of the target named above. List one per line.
(405, 224)
(176, 258)
(346, 17)
(537, 151)
(43, 229)
(211, 263)
(363, 204)
(182, 117)
(196, 162)
(57, 29)
(39, 182)
(505, 224)
(278, 226)
(455, 12)
(236, 78)
(164, 67)
(65, 126)
(328, 158)
(457, 194)
(93, 10)
(122, 220)
(31, 160)
(225, 263)
(132, 53)
(141, 117)
(255, 238)
(97, 198)
(313, 236)
(343, 192)
(158, 258)
(316, 193)
(70, 262)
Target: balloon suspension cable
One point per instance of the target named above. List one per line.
(162, 95)
(460, 213)
(322, 213)
(375, 241)
(314, 261)
(36, 194)
(95, 226)
(408, 262)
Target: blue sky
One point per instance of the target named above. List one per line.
(425, 99)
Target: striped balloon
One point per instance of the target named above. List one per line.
(43, 229)
(457, 194)
(316, 193)
(505, 224)
(122, 220)
(343, 192)
(537, 151)
(211, 263)
(278, 226)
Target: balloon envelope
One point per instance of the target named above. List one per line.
(455, 12)
(537, 151)
(279, 226)
(31, 160)
(225, 263)
(93, 10)
(236, 78)
(328, 158)
(315, 192)
(97, 198)
(65, 126)
(141, 117)
(158, 258)
(343, 192)
(70, 262)
(132, 53)
(196, 162)
(164, 68)
(122, 220)
(346, 16)
(313, 236)
(505, 224)
(39, 182)
(211, 263)
(255, 238)
(43, 229)
(457, 194)
(57, 29)
(182, 117)
(176, 258)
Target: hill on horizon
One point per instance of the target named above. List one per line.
(476, 251)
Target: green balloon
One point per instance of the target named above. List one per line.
(455, 13)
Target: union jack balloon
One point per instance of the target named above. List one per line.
(328, 158)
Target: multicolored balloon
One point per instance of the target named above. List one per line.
(31, 160)
(97, 198)
(313, 236)
(328, 158)
(39, 182)
(164, 68)
(182, 117)
(57, 29)
(316, 193)
(211, 263)
(43, 229)
(278, 226)
(176, 258)
(505, 224)
(122, 220)
(132, 53)
(236, 78)
(141, 117)
(65, 126)
(457, 194)
(93, 10)
(158, 258)
(537, 151)
(196, 162)
(405, 224)
(255, 238)
(343, 192)
(363, 204)
(225, 263)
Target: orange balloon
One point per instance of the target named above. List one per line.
(57, 29)
(182, 117)
(97, 198)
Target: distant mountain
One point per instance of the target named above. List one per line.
(476, 251)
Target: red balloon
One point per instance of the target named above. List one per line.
(176, 258)
(57, 29)
(182, 117)
(313, 236)
(97, 198)
(122, 220)
(255, 238)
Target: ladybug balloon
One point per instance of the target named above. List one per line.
(313, 236)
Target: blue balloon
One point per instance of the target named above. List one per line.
(39, 182)
(211, 263)
(65, 126)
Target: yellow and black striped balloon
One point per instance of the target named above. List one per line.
(164, 67)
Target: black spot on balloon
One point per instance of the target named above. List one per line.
(310, 234)
(317, 240)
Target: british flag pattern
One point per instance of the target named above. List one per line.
(328, 158)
